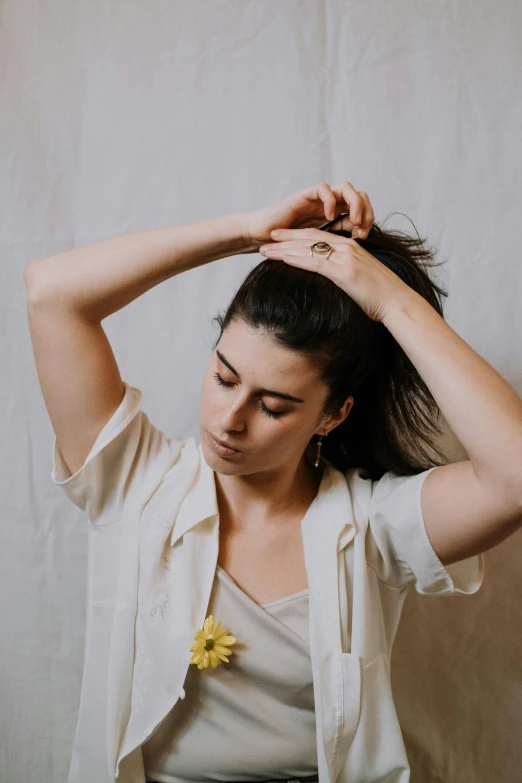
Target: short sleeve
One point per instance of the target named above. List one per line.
(127, 461)
(399, 549)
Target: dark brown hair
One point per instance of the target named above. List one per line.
(394, 420)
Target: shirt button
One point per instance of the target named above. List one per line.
(182, 693)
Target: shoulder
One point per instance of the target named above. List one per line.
(390, 482)
(385, 503)
(129, 460)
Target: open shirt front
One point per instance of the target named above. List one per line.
(153, 549)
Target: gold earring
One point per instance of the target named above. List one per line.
(319, 444)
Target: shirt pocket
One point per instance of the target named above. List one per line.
(351, 667)
(378, 747)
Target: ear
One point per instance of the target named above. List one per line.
(333, 421)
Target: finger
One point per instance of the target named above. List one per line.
(306, 261)
(319, 264)
(277, 249)
(315, 234)
(362, 230)
(288, 244)
(342, 223)
(353, 199)
(368, 213)
(330, 202)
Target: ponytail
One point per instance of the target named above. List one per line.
(394, 420)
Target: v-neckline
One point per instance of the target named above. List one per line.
(266, 604)
(260, 608)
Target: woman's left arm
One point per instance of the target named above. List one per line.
(473, 505)
(468, 506)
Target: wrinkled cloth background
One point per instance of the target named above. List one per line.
(120, 115)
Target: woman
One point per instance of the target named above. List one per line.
(274, 556)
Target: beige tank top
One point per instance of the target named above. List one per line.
(252, 718)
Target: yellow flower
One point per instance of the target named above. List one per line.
(210, 649)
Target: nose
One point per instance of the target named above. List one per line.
(233, 419)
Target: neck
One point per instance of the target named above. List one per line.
(266, 498)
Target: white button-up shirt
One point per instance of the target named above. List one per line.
(153, 549)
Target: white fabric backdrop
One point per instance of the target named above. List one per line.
(120, 115)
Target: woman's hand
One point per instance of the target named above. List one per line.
(370, 283)
(308, 209)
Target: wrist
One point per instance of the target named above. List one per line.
(249, 244)
(407, 304)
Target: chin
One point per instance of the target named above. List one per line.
(217, 463)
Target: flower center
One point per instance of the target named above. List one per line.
(209, 644)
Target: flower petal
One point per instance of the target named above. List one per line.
(214, 660)
(219, 648)
(208, 625)
(225, 639)
(222, 632)
(223, 650)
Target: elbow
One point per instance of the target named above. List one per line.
(31, 274)
(36, 280)
(511, 496)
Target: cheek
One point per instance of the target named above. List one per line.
(208, 398)
(295, 434)
(283, 435)
(214, 401)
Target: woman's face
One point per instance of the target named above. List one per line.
(250, 413)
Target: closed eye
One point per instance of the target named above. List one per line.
(229, 385)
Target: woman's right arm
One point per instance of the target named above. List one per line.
(96, 280)
(70, 293)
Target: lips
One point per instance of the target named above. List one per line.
(223, 443)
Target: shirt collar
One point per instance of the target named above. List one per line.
(199, 503)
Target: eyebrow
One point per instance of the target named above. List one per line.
(271, 392)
